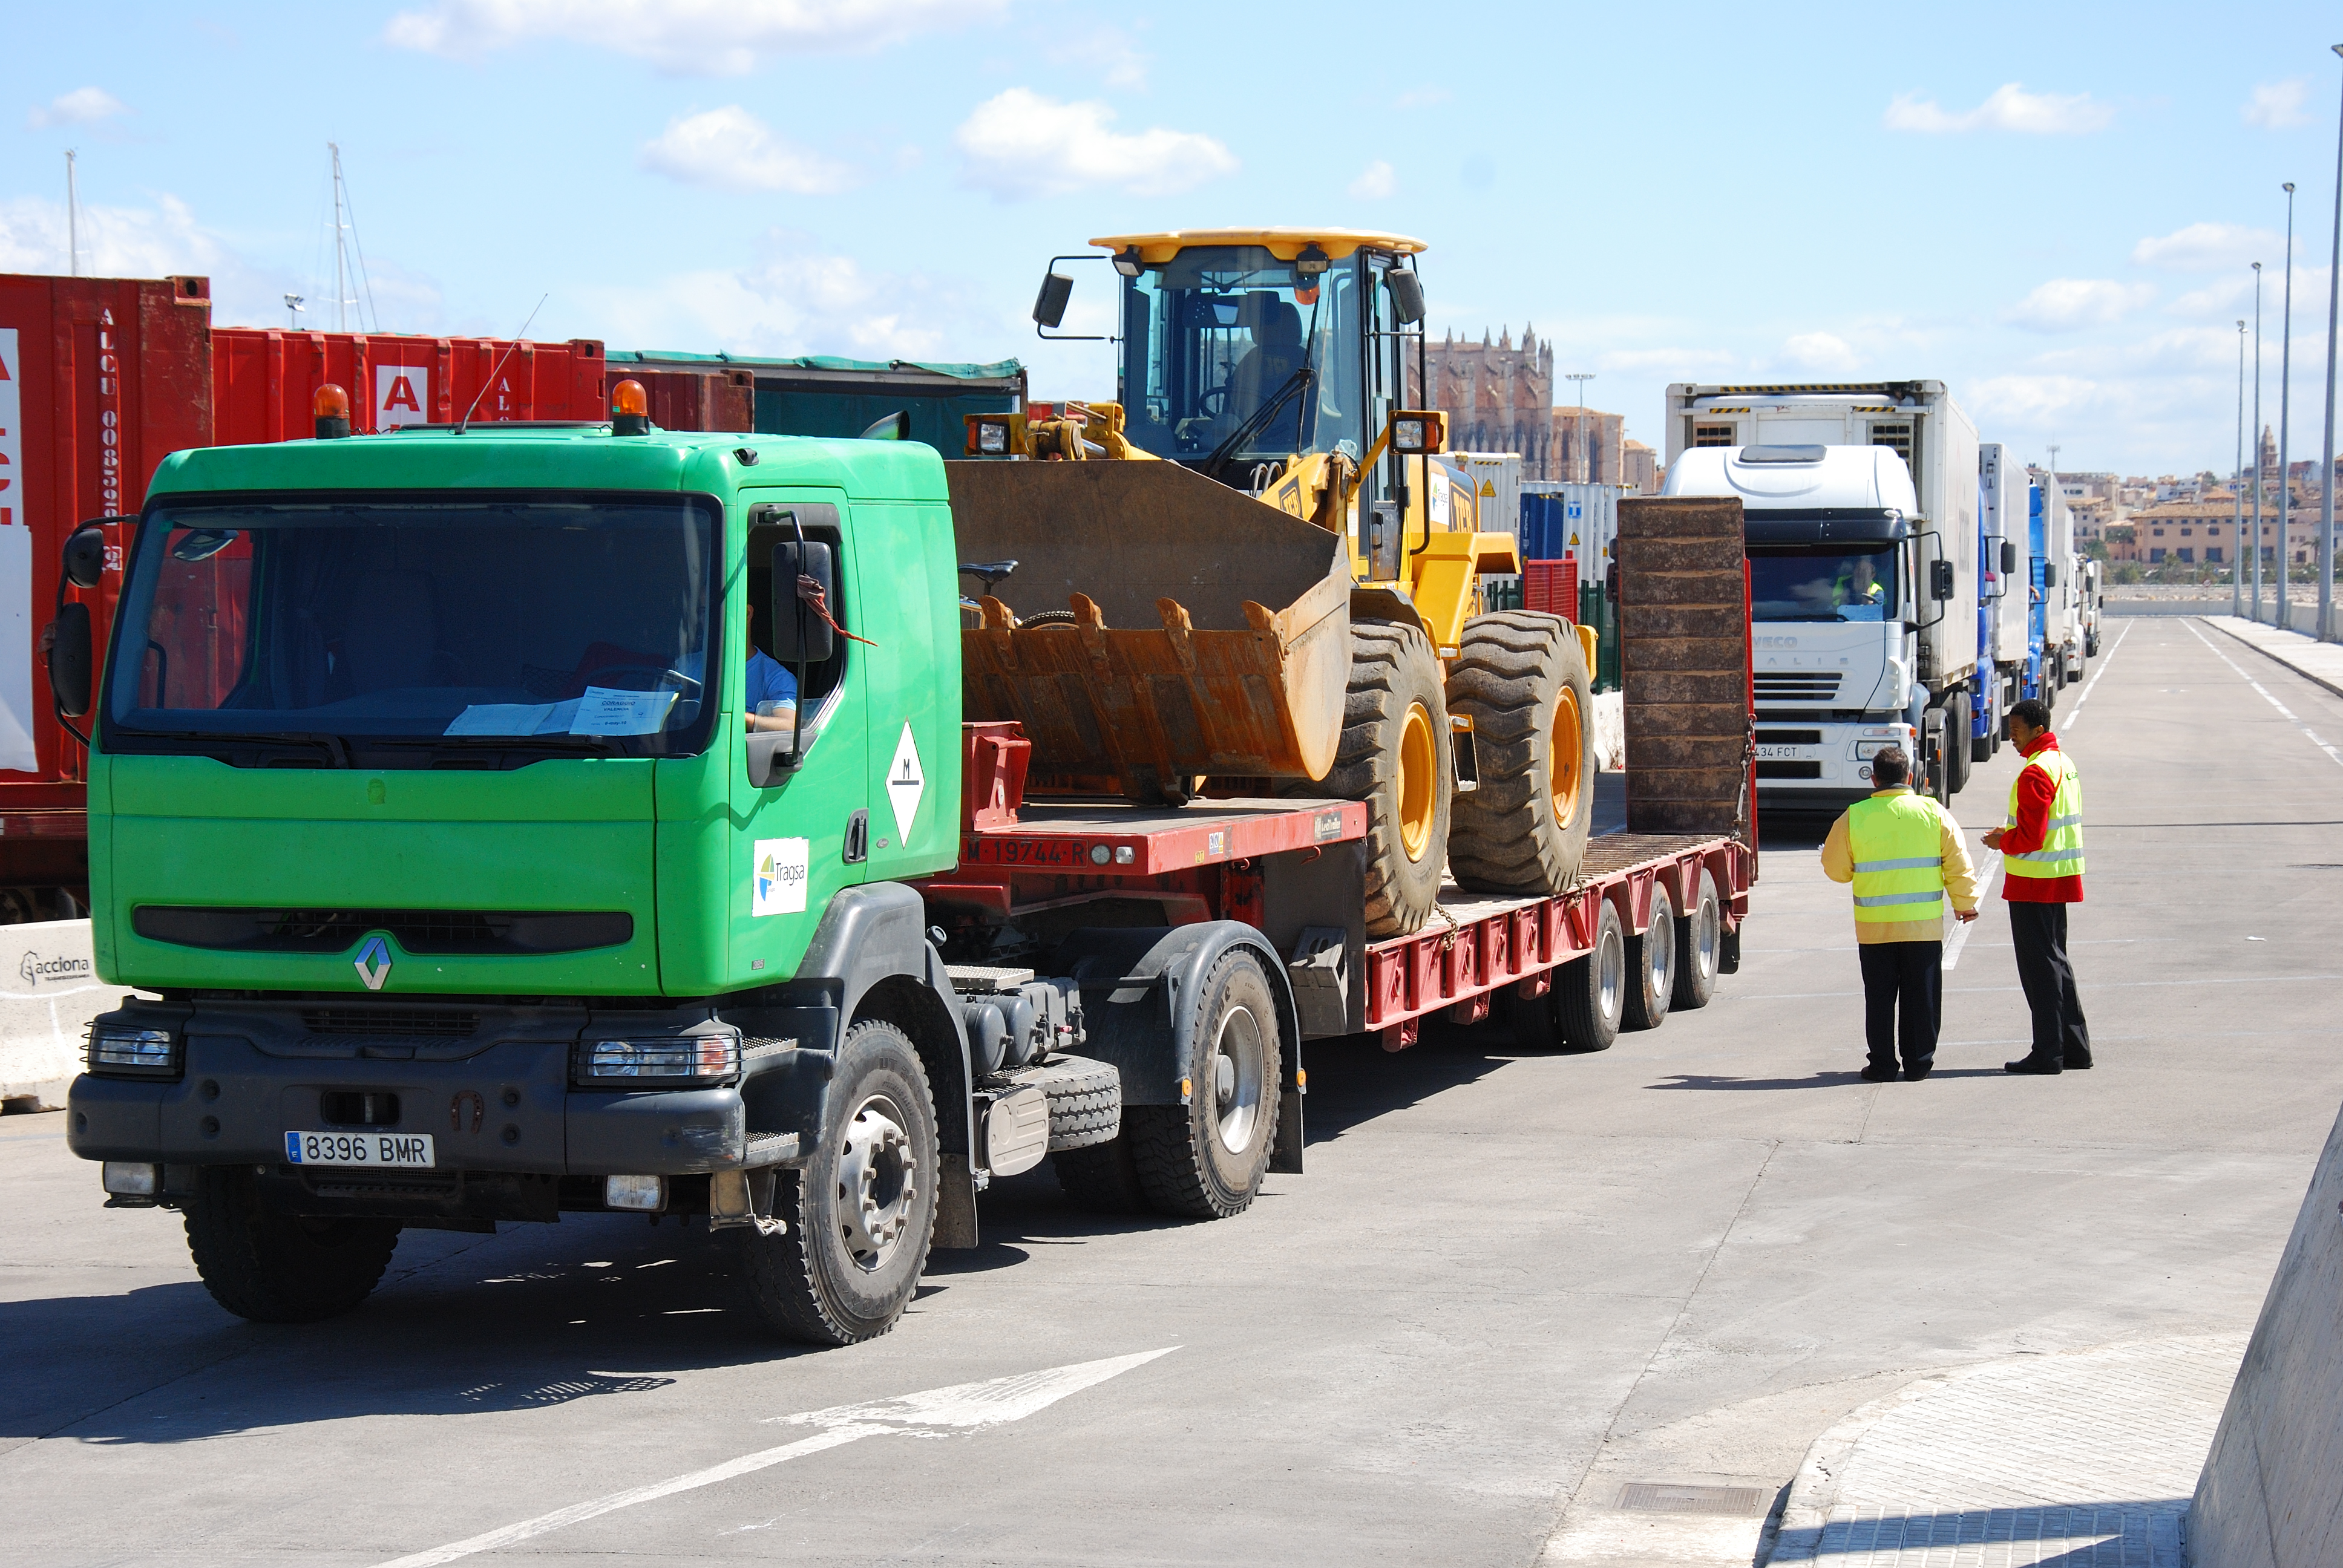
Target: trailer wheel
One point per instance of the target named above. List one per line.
(1959, 749)
(1521, 679)
(275, 1268)
(1590, 994)
(1205, 1159)
(1700, 941)
(1652, 966)
(860, 1213)
(1396, 755)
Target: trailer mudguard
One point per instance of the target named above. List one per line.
(1138, 987)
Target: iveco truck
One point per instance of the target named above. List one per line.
(1861, 507)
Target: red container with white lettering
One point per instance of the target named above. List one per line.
(264, 381)
(100, 379)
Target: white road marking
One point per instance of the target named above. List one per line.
(2075, 712)
(1960, 937)
(962, 1407)
(2332, 754)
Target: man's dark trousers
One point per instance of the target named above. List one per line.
(1905, 978)
(2038, 932)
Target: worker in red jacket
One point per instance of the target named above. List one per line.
(2041, 850)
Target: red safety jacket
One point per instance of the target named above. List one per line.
(2035, 791)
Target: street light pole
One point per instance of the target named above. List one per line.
(2257, 440)
(2237, 490)
(1586, 468)
(2285, 403)
(2324, 630)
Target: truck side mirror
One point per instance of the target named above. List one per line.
(2009, 558)
(2049, 574)
(1050, 304)
(84, 556)
(1940, 579)
(69, 660)
(1407, 295)
(800, 632)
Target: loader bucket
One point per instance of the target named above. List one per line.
(1210, 633)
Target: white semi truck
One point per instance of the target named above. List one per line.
(2062, 622)
(1861, 506)
(2009, 659)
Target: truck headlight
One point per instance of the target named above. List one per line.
(675, 1058)
(134, 1053)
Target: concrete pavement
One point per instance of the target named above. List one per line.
(1512, 1294)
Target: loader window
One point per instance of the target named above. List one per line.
(517, 620)
(1216, 341)
(1831, 584)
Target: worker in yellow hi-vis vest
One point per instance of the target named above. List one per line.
(1906, 859)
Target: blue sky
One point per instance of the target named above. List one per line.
(2050, 207)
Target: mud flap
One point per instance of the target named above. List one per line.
(1285, 1154)
(955, 1203)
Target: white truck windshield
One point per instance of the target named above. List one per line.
(531, 620)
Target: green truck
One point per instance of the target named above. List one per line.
(432, 821)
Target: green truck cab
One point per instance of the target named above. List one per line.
(431, 814)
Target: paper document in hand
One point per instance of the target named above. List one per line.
(603, 711)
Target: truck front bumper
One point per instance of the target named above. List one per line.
(1809, 766)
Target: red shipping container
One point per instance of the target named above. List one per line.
(696, 399)
(1552, 586)
(264, 381)
(100, 379)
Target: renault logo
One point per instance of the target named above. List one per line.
(373, 963)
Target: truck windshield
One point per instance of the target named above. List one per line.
(1823, 585)
(1219, 335)
(523, 621)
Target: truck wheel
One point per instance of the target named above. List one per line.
(1982, 747)
(1590, 994)
(859, 1213)
(1396, 755)
(1205, 1159)
(1521, 679)
(278, 1268)
(1958, 748)
(1700, 938)
(1652, 966)
(1103, 1178)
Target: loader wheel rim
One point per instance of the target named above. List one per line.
(1565, 748)
(1237, 1080)
(1418, 781)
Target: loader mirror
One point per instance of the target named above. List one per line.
(800, 631)
(1418, 432)
(1940, 579)
(1050, 304)
(1407, 295)
(895, 426)
(2009, 558)
(84, 556)
(69, 660)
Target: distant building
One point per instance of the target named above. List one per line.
(1641, 466)
(1588, 446)
(1499, 397)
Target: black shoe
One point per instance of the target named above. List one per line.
(2074, 1066)
(1914, 1074)
(1877, 1074)
(2032, 1064)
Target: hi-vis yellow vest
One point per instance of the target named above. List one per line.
(1898, 847)
(2061, 854)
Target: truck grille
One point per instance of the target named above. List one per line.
(420, 932)
(1797, 688)
(392, 1023)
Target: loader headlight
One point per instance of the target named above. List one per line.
(115, 1050)
(674, 1059)
(1127, 262)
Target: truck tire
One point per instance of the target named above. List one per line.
(1700, 944)
(1085, 1101)
(1521, 676)
(1205, 1159)
(1103, 1178)
(1959, 749)
(275, 1268)
(1652, 966)
(1590, 994)
(1396, 755)
(859, 1214)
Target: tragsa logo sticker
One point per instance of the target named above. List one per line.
(778, 882)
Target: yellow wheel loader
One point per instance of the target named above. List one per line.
(1251, 573)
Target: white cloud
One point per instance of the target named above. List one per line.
(1821, 351)
(1020, 143)
(2009, 108)
(2278, 105)
(2065, 304)
(1108, 51)
(1375, 182)
(82, 107)
(705, 36)
(2210, 246)
(732, 149)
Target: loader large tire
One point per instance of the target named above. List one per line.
(1396, 757)
(1521, 676)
